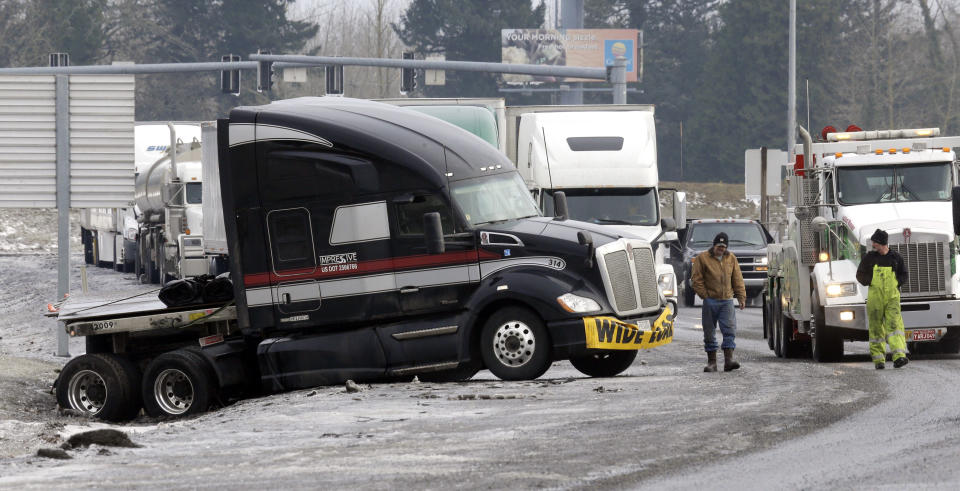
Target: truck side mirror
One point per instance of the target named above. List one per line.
(668, 224)
(955, 196)
(586, 239)
(560, 205)
(680, 209)
(433, 233)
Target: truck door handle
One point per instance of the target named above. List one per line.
(285, 298)
(409, 289)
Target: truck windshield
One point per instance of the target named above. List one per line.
(494, 198)
(740, 234)
(610, 206)
(884, 184)
(193, 193)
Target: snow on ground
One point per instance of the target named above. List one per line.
(25, 230)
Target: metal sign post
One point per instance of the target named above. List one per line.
(63, 201)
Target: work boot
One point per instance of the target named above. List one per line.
(900, 362)
(711, 362)
(879, 365)
(728, 362)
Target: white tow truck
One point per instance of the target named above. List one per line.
(604, 158)
(841, 190)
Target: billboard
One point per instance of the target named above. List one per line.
(570, 47)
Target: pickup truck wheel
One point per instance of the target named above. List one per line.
(608, 364)
(689, 296)
(177, 383)
(104, 386)
(827, 343)
(515, 344)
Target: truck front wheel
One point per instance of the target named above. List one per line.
(515, 344)
(103, 385)
(827, 343)
(178, 383)
(609, 364)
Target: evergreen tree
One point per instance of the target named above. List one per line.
(464, 30)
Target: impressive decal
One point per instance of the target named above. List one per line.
(339, 262)
(610, 333)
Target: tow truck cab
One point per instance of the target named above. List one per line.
(368, 241)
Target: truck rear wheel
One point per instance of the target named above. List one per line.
(789, 348)
(178, 383)
(608, 364)
(827, 343)
(515, 344)
(103, 385)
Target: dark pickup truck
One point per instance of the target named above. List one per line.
(748, 241)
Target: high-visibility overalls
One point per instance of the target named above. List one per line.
(883, 313)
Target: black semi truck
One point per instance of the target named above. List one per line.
(370, 242)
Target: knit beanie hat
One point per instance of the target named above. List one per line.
(721, 239)
(880, 237)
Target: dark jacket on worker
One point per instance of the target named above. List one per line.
(891, 259)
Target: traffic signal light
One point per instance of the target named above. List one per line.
(264, 73)
(408, 76)
(334, 78)
(230, 79)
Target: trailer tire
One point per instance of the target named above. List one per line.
(104, 385)
(515, 344)
(608, 364)
(827, 343)
(178, 383)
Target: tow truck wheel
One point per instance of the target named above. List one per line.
(609, 364)
(103, 385)
(178, 383)
(827, 343)
(515, 344)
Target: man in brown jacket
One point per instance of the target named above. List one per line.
(717, 280)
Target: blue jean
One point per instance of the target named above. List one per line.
(718, 312)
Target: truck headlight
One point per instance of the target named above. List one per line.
(762, 260)
(577, 304)
(665, 281)
(841, 290)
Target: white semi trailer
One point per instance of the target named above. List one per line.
(109, 235)
(840, 191)
(168, 200)
(604, 158)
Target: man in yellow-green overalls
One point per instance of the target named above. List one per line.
(883, 271)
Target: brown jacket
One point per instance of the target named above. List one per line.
(718, 279)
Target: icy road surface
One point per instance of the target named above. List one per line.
(664, 424)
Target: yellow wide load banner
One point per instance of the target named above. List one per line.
(612, 333)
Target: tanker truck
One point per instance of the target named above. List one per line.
(841, 190)
(168, 198)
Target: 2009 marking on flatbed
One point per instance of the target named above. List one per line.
(160, 320)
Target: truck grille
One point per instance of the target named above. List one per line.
(646, 270)
(618, 270)
(926, 264)
(629, 276)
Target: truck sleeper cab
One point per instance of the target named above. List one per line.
(332, 252)
(369, 242)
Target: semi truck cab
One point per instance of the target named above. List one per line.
(420, 238)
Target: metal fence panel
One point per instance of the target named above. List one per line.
(28, 175)
(101, 140)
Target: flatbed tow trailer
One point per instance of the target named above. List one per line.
(371, 243)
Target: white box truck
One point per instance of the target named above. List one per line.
(604, 158)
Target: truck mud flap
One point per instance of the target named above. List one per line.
(308, 360)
